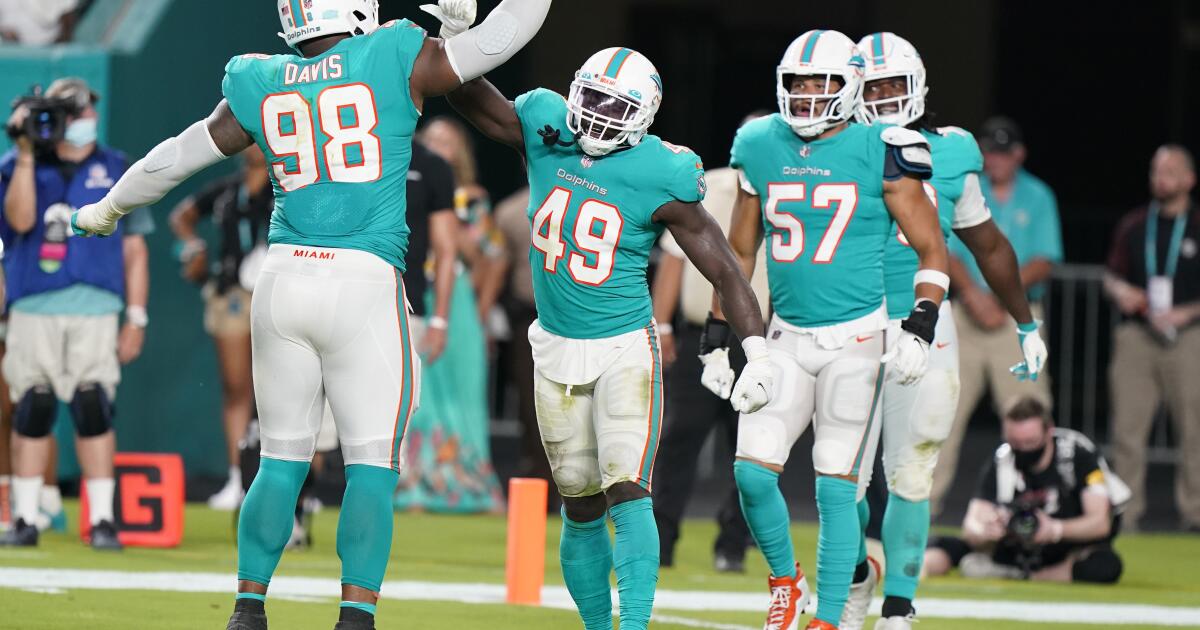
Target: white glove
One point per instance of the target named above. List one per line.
(456, 16)
(757, 382)
(908, 358)
(717, 376)
(96, 219)
(1034, 351)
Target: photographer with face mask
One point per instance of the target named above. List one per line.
(65, 297)
(1046, 508)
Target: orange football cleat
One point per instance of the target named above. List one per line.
(789, 596)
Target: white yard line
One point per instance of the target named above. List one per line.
(58, 580)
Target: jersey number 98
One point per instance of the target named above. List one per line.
(597, 231)
(346, 115)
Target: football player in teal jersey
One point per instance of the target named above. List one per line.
(329, 317)
(602, 191)
(825, 192)
(917, 418)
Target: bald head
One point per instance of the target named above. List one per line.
(1172, 173)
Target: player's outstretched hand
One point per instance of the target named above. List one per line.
(753, 389)
(908, 359)
(1033, 349)
(717, 376)
(94, 219)
(456, 16)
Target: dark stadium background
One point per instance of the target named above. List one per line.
(1096, 86)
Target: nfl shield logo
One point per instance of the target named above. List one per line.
(586, 162)
(805, 151)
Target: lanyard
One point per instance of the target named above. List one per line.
(1172, 250)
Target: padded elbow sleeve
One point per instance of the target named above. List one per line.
(165, 167)
(506, 30)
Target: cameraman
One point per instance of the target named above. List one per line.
(1045, 508)
(65, 296)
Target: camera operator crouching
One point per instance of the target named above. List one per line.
(1047, 508)
(65, 297)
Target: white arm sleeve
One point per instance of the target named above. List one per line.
(971, 209)
(506, 30)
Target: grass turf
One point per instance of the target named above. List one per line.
(1160, 569)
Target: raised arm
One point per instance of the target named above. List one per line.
(489, 111)
(166, 166)
(464, 53)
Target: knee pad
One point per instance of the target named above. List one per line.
(91, 410)
(34, 417)
(764, 438)
(1102, 566)
(755, 482)
(574, 479)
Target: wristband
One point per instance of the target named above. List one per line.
(932, 276)
(438, 323)
(665, 329)
(922, 321)
(716, 334)
(137, 316)
(1025, 329)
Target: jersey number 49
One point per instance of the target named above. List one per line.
(346, 116)
(597, 231)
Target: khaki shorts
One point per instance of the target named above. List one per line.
(228, 313)
(62, 351)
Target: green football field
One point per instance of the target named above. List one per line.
(447, 572)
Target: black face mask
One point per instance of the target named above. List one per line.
(1027, 461)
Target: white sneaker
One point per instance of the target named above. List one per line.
(228, 498)
(981, 565)
(854, 613)
(896, 623)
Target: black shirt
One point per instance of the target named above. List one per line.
(430, 190)
(1058, 490)
(242, 222)
(1127, 258)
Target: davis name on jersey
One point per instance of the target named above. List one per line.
(824, 219)
(955, 155)
(337, 131)
(592, 222)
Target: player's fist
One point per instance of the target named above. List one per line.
(717, 376)
(95, 219)
(753, 389)
(908, 359)
(456, 16)
(1033, 349)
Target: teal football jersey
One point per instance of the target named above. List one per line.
(337, 131)
(592, 222)
(955, 155)
(824, 219)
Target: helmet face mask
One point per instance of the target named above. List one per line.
(304, 20)
(890, 57)
(825, 59)
(613, 100)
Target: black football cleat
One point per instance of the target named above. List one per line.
(21, 535)
(355, 619)
(104, 537)
(248, 614)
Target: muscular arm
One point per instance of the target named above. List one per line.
(745, 235)
(998, 263)
(700, 238)
(489, 111)
(914, 213)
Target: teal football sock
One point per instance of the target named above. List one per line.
(585, 553)
(864, 517)
(837, 545)
(364, 533)
(635, 557)
(905, 532)
(766, 514)
(363, 606)
(265, 523)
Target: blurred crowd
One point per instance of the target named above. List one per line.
(71, 326)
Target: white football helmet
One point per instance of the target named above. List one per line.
(613, 100)
(303, 20)
(888, 56)
(822, 54)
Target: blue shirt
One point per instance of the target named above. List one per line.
(1030, 221)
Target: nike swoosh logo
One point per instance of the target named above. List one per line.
(861, 339)
(941, 345)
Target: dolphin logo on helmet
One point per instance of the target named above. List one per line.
(824, 55)
(303, 20)
(613, 100)
(890, 56)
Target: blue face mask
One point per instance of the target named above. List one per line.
(81, 133)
